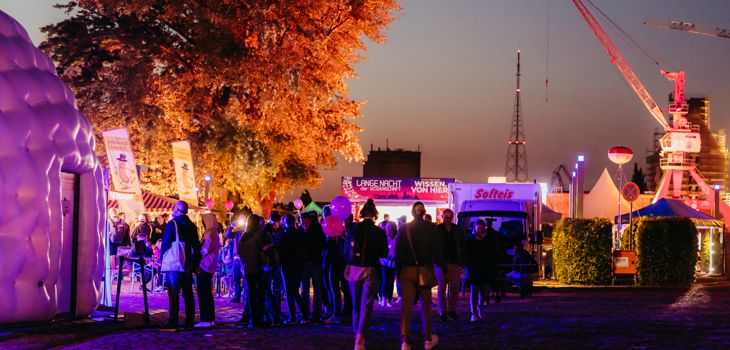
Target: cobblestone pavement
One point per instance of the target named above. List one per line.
(552, 318)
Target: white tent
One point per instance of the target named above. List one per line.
(602, 201)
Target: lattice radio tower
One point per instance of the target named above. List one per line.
(516, 167)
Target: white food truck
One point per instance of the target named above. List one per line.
(514, 208)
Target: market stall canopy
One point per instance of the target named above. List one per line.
(673, 208)
(550, 216)
(152, 202)
(313, 207)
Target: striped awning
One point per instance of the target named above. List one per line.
(153, 202)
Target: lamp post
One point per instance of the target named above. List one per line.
(619, 155)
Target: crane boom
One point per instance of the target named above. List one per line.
(623, 65)
(690, 27)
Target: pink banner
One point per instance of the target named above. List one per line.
(403, 189)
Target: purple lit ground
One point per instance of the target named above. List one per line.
(554, 317)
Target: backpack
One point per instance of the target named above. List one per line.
(357, 247)
(174, 258)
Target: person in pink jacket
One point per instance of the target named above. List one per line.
(210, 245)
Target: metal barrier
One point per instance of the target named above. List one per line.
(141, 263)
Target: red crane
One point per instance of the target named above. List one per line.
(680, 138)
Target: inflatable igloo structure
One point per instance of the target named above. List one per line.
(51, 199)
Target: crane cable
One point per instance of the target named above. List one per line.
(547, 48)
(627, 37)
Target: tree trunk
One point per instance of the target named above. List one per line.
(266, 203)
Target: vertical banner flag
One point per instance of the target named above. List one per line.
(183, 159)
(124, 172)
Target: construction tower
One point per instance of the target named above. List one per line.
(516, 167)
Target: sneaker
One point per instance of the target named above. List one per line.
(474, 318)
(452, 315)
(388, 304)
(430, 344)
(332, 320)
(169, 326)
(405, 346)
(381, 301)
(203, 325)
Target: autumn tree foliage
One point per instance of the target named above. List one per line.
(258, 87)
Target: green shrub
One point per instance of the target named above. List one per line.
(666, 251)
(582, 251)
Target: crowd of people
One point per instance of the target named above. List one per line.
(325, 279)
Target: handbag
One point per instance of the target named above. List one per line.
(357, 273)
(174, 258)
(426, 274)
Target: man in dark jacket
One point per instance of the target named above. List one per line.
(273, 281)
(119, 235)
(293, 256)
(452, 238)
(365, 245)
(314, 239)
(417, 250)
(176, 281)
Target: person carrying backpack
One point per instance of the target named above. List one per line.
(365, 245)
(180, 258)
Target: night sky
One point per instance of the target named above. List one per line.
(444, 80)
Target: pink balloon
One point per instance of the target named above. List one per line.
(209, 203)
(229, 205)
(333, 226)
(298, 203)
(341, 207)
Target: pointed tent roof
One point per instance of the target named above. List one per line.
(601, 201)
(673, 207)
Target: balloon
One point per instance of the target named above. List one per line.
(229, 205)
(209, 203)
(333, 226)
(341, 207)
(298, 203)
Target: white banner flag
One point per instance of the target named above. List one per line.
(184, 172)
(124, 171)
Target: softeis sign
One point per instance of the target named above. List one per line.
(493, 193)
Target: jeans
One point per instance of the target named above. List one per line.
(272, 289)
(292, 278)
(452, 280)
(387, 283)
(363, 296)
(205, 297)
(255, 285)
(178, 281)
(478, 292)
(237, 276)
(333, 274)
(312, 275)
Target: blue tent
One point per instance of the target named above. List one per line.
(673, 207)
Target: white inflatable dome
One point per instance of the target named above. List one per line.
(51, 199)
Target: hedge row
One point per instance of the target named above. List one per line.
(582, 251)
(666, 250)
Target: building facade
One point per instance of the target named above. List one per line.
(392, 163)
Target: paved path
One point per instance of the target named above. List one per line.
(553, 318)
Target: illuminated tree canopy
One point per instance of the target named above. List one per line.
(258, 87)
